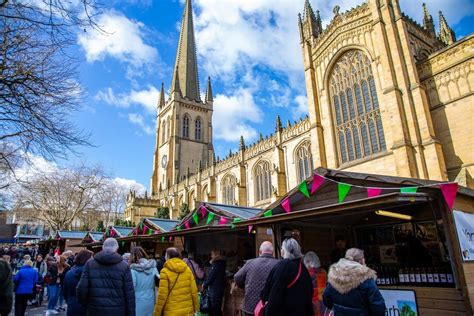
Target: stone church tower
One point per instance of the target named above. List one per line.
(184, 121)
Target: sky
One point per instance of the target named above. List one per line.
(249, 48)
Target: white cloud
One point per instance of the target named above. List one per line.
(147, 98)
(129, 184)
(233, 114)
(122, 39)
(301, 108)
(139, 120)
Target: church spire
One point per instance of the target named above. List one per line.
(175, 86)
(209, 97)
(161, 102)
(186, 72)
(428, 21)
(312, 20)
(446, 34)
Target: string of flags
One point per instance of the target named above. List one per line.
(143, 229)
(210, 217)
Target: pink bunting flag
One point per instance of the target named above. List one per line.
(186, 224)
(317, 182)
(203, 211)
(170, 239)
(449, 191)
(373, 192)
(145, 230)
(222, 221)
(250, 227)
(286, 205)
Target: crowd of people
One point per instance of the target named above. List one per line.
(108, 283)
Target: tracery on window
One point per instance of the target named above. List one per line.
(358, 125)
(228, 184)
(263, 181)
(304, 161)
(186, 126)
(197, 129)
(163, 131)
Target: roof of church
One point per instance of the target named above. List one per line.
(185, 76)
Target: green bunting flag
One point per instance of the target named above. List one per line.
(409, 190)
(196, 218)
(150, 232)
(162, 238)
(303, 187)
(343, 189)
(210, 217)
(268, 213)
(236, 220)
(178, 228)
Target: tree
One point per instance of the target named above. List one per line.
(122, 222)
(100, 226)
(163, 212)
(38, 78)
(60, 196)
(183, 211)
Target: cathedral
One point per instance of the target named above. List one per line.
(386, 95)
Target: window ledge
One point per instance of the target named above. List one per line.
(364, 159)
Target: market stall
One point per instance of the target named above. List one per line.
(68, 240)
(405, 226)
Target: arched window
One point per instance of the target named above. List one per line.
(168, 128)
(304, 161)
(186, 126)
(204, 195)
(163, 131)
(197, 129)
(228, 185)
(263, 181)
(358, 126)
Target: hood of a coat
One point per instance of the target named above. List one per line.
(108, 258)
(77, 271)
(346, 275)
(144, 265)
(176, 265)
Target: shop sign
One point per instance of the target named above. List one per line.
(400, 302)
(465, 228)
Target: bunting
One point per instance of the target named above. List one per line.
(162, 238)
(317, 182)
(222, 220)
(268, 213)
(186, 224)
(373, 192)
(210, 218)
(179, 228)
(203, 211)
(303, 187)
(449, 191)
(234, 221)
(196, 218)
(250, 228)
(170, 239)
(286, 205)
(409, 189)
(342, 190)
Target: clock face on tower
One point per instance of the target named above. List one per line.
(164, 161)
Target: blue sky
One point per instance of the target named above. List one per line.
(250, 48)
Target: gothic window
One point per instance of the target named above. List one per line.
(197, 129)
(228, 184)
(263, 181)
(168, 128)
(186, 126)
(304, 161)
(163, 131)
(358, 126)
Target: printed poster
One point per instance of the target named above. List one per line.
(400, 302)
(464, 223)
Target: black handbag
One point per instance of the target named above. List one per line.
(205, 304)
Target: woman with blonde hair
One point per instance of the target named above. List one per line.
(351, 288)
(25, 281)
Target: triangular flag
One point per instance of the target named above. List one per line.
(317, 182)
(286, 205)
(203, 211)
(178, 228)
(235, 220)
(155, 232)
(449, 191)
(222, 221)
(145, 230)
(150, 231)
(303, 187)
(186, 224)
(250, 228)
(342, 190)
(170, 239)
(210, 218)
(141, 226)
(196, 218)
(409, 190)
(162, 238)
(373, 192)
(268, 213)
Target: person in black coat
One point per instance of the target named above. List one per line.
(215, 283)
(106, 285)
(288, 289)
(351, 288)
(6, 288)
(74, 308)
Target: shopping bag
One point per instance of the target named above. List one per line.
(205, 304)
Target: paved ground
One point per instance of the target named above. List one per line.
(38, 311)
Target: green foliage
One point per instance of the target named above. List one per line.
(183, 211)
(121, 222)
(163, 212)
(100, 226)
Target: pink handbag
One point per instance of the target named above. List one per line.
(260, 308)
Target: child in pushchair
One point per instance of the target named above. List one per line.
(37, 299)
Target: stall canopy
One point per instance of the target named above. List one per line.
(116, 232)
(149, 227)
(330, 191)
(213, 217)
(92, 237)
(70, 234)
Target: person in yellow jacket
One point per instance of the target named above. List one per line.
(177, 294)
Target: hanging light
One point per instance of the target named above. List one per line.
(394, 215)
